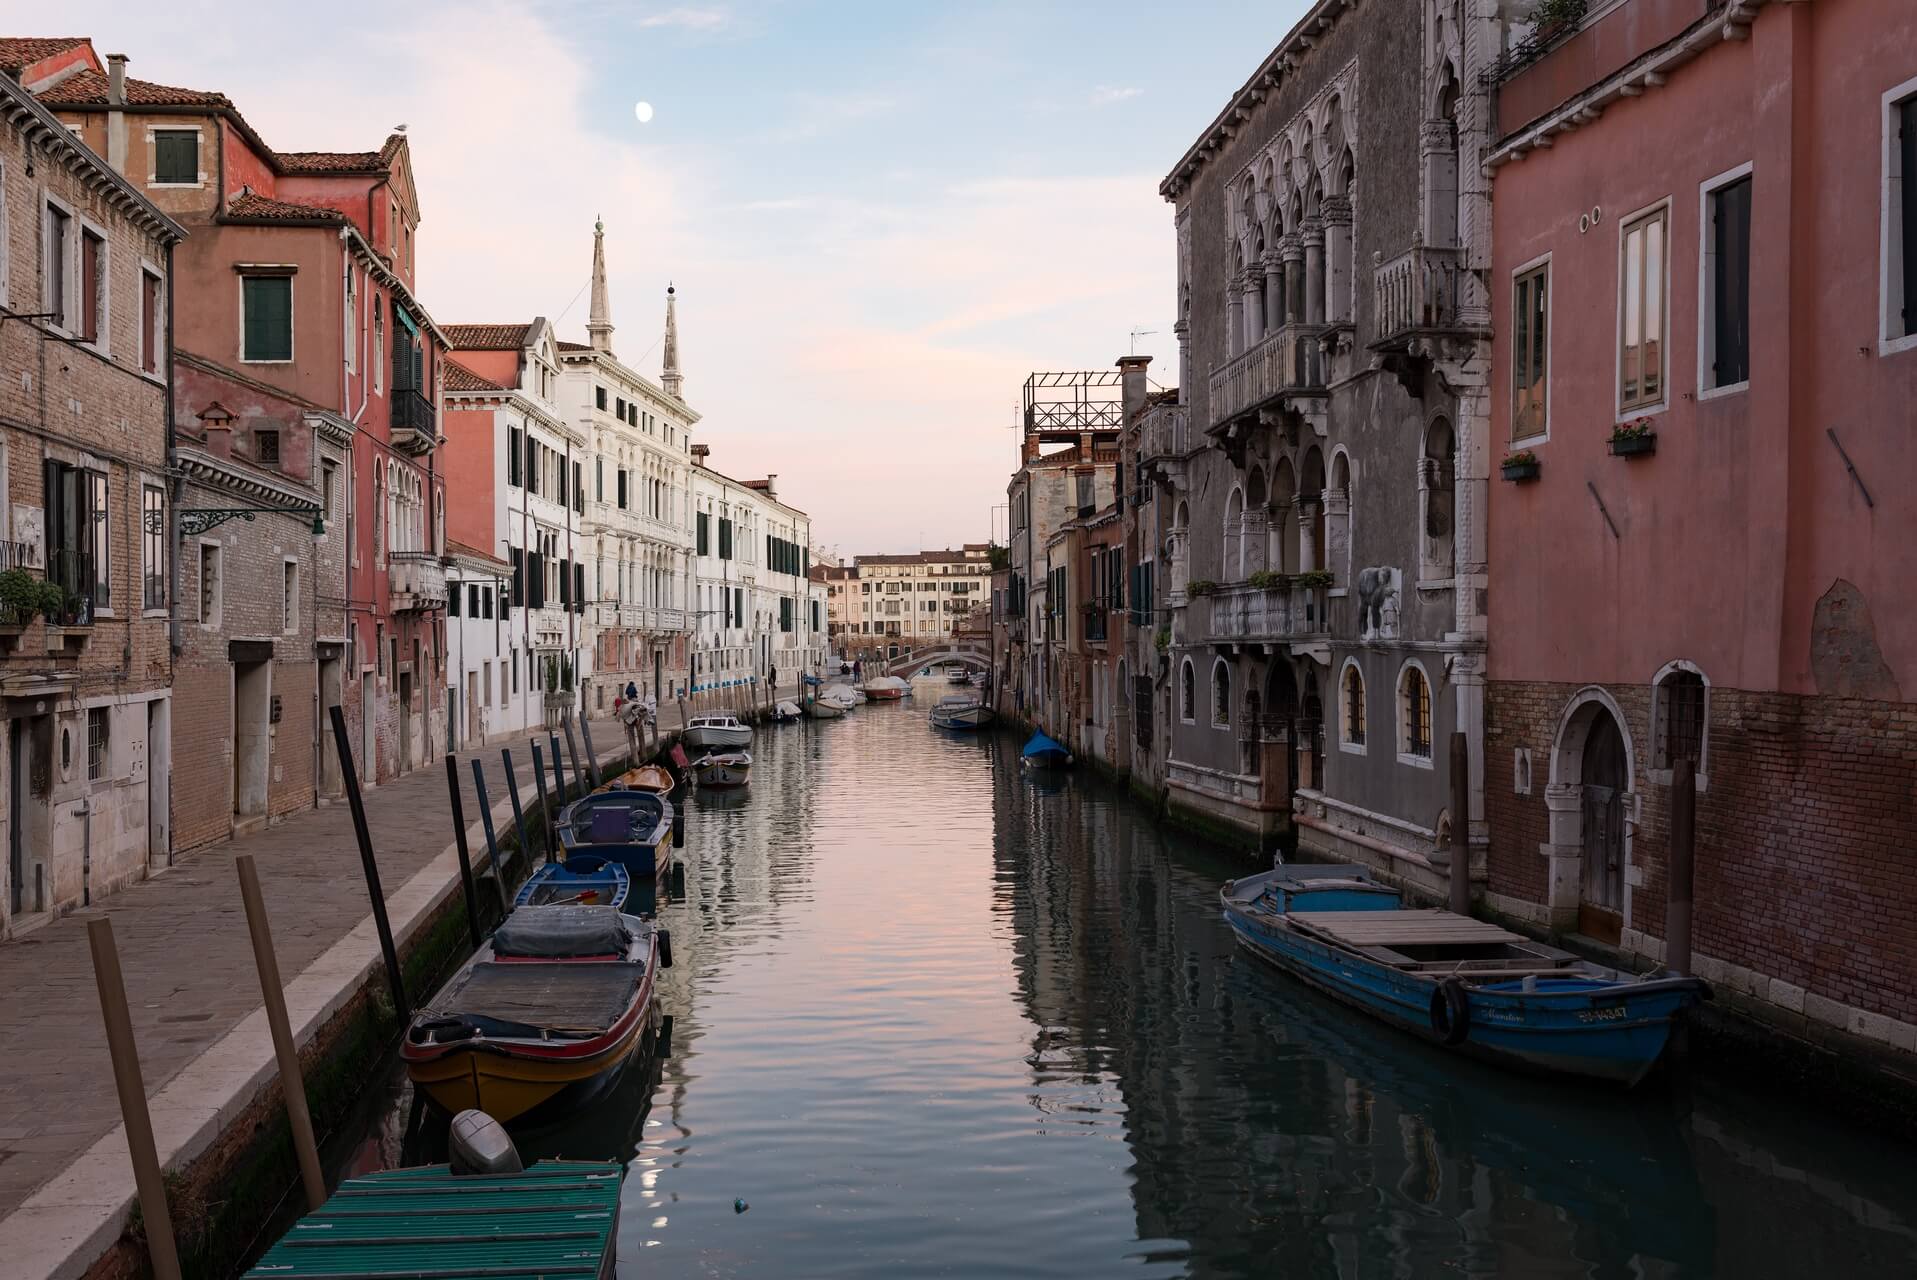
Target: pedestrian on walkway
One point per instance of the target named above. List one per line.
(772, 682)
(858, 669)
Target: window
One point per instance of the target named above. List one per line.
(58, 285)
(599, 396)
(290, 597)
(176, 157)
(621, 496)
(266, 304)
(93, 277)
(1899, 307)
(1187, 693)
(151, 318)
(1220, 695)
(209, 584)
(512, 456)
(472, 600)
(1724, 337)
(379, 345)
(452, 599)
(1414, 714)
(266, 448)
(153, 546)
(77, 542)
(1530, 352)
(1641, 312)
(486, 602)
(1354, 707)
(620, 412)
(97, 743)
(1679, 705)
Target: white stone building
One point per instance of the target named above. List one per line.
(755, 605)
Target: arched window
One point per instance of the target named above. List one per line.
(1234, 554)
(1414, 713)
(1679, 705)
(1187, 693)
(1351, 706)
(1220, 694)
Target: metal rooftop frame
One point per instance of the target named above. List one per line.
(1071, 404)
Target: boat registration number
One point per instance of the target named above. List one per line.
(1610, 1013)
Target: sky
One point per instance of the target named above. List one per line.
(879, 217)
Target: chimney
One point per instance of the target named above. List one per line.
(700, 452)
(771, 486)
(1134, 387)
(216, 423)
(116, 114)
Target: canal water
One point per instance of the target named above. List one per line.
(931, 1017)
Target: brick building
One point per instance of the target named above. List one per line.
(85, 277)
(1705, 225)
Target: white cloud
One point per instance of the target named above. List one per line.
(1105, 95)
(688, 19)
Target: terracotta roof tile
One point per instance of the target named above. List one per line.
(252, 205)
(19, 52)
(573, 346)
(331, 161)
(460, 378)
(89, 89)
(487, 337)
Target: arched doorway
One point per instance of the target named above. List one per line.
(1604, 779)
(1281, 715)
(1593, 811)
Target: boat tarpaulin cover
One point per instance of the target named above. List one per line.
(560, 932)
(1040, 745)
(568, 997)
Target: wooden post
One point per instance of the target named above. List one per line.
(1460, 825)
(292, 1084)
(547, 814)
(592, 757)
(459, 842)
(519, 816)
(349, 777)
(558, 775)
(572, 760)
(492, 841)
(126, 1078)
(1677, 908)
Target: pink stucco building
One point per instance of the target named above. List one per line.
(1705, 311)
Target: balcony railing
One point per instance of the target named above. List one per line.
(414, 426)
(1247, 614)
(417, 580)
(1284, 361)
(1096, 621)
(1164, 431)
(1418, 289)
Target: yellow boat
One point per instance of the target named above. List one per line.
(647, 777)
(560, 996)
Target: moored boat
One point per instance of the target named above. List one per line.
(1042, 751)
(1455, 980)
(555, 1000)
(717, 729)
(583, 881)
(830, 703)
(647, 777)
(886, 688)
(723, 769)
(962, 712)
(786, 712)
(632, 828)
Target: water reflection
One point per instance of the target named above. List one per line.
(933, 1018)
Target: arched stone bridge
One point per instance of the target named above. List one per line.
(972, 653)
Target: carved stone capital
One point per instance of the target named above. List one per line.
(1335, 211)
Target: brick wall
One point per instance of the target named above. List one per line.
(1803, 865)
(202, 753)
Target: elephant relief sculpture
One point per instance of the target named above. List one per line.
(1378, 603)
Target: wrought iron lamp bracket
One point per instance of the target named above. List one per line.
(197, 520)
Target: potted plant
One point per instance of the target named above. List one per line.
(1202, 587)
(57, 604)
(1633, 439)
(1163, 640)
(1267, 580)
(1552, 18)
(19, 598)
(1314, 578)
(1520, 466)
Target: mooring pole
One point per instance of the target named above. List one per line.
(132, 1089)
(546, 814)
(592, 757)
(266, 961)
(1677, 909)
(572, 759)
(1460, 825)
(519, 816)
(492, 841)
(459, 842)
(349, 778)
(558, 774)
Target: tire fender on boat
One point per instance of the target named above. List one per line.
(1451, 1012)
(665, 948)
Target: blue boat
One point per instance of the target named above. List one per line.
(583, 879)
(1044, 752)
(1455, 980)
(631, 828)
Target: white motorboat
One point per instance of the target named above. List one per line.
(962, 712)
(723, 769)
(832, 702)
(718, 729)
(886, 688)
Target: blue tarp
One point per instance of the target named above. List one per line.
(1040, 745)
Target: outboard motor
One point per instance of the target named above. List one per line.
(477, 1144)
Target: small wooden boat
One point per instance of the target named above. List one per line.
(961, 712)
(1044, 752)
(632, 828)
(825, 708)
(786, 713)
(1456, 980)
(720, 729)
(647, 777)
(886, 688)
(559, 1218)
(555, 1000)
(583, 881)
(723, 769)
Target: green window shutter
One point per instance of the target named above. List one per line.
(269, 317)
(176, 156)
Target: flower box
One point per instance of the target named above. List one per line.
(1521, 472)
(1634, 446)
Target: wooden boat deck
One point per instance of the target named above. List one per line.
(1403, 928)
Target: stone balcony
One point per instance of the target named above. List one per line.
(1241, 614)
(1287, 360)
(1417, 292)
(417, 580)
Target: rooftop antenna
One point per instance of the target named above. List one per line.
(1140, 333)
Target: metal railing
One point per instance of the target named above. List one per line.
(1418, 289)
(1287, 359)
(1096, 623)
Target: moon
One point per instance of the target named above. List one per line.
(643, 111)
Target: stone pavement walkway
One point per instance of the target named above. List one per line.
(187, 960)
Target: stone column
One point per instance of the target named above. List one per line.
(1338, 534)
(1307, 535)
(1438, 154)
(1291, 250)
(1182, 332)
(1274, 268)
(1252, 300)
(1338, 282)
(1314, 242)
(1256, 535)
(1234, 317)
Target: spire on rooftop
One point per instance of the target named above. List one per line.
(599, 323)
(670, 377)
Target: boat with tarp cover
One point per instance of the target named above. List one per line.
(554, 1002)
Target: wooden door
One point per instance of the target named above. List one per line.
(1600, 913)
